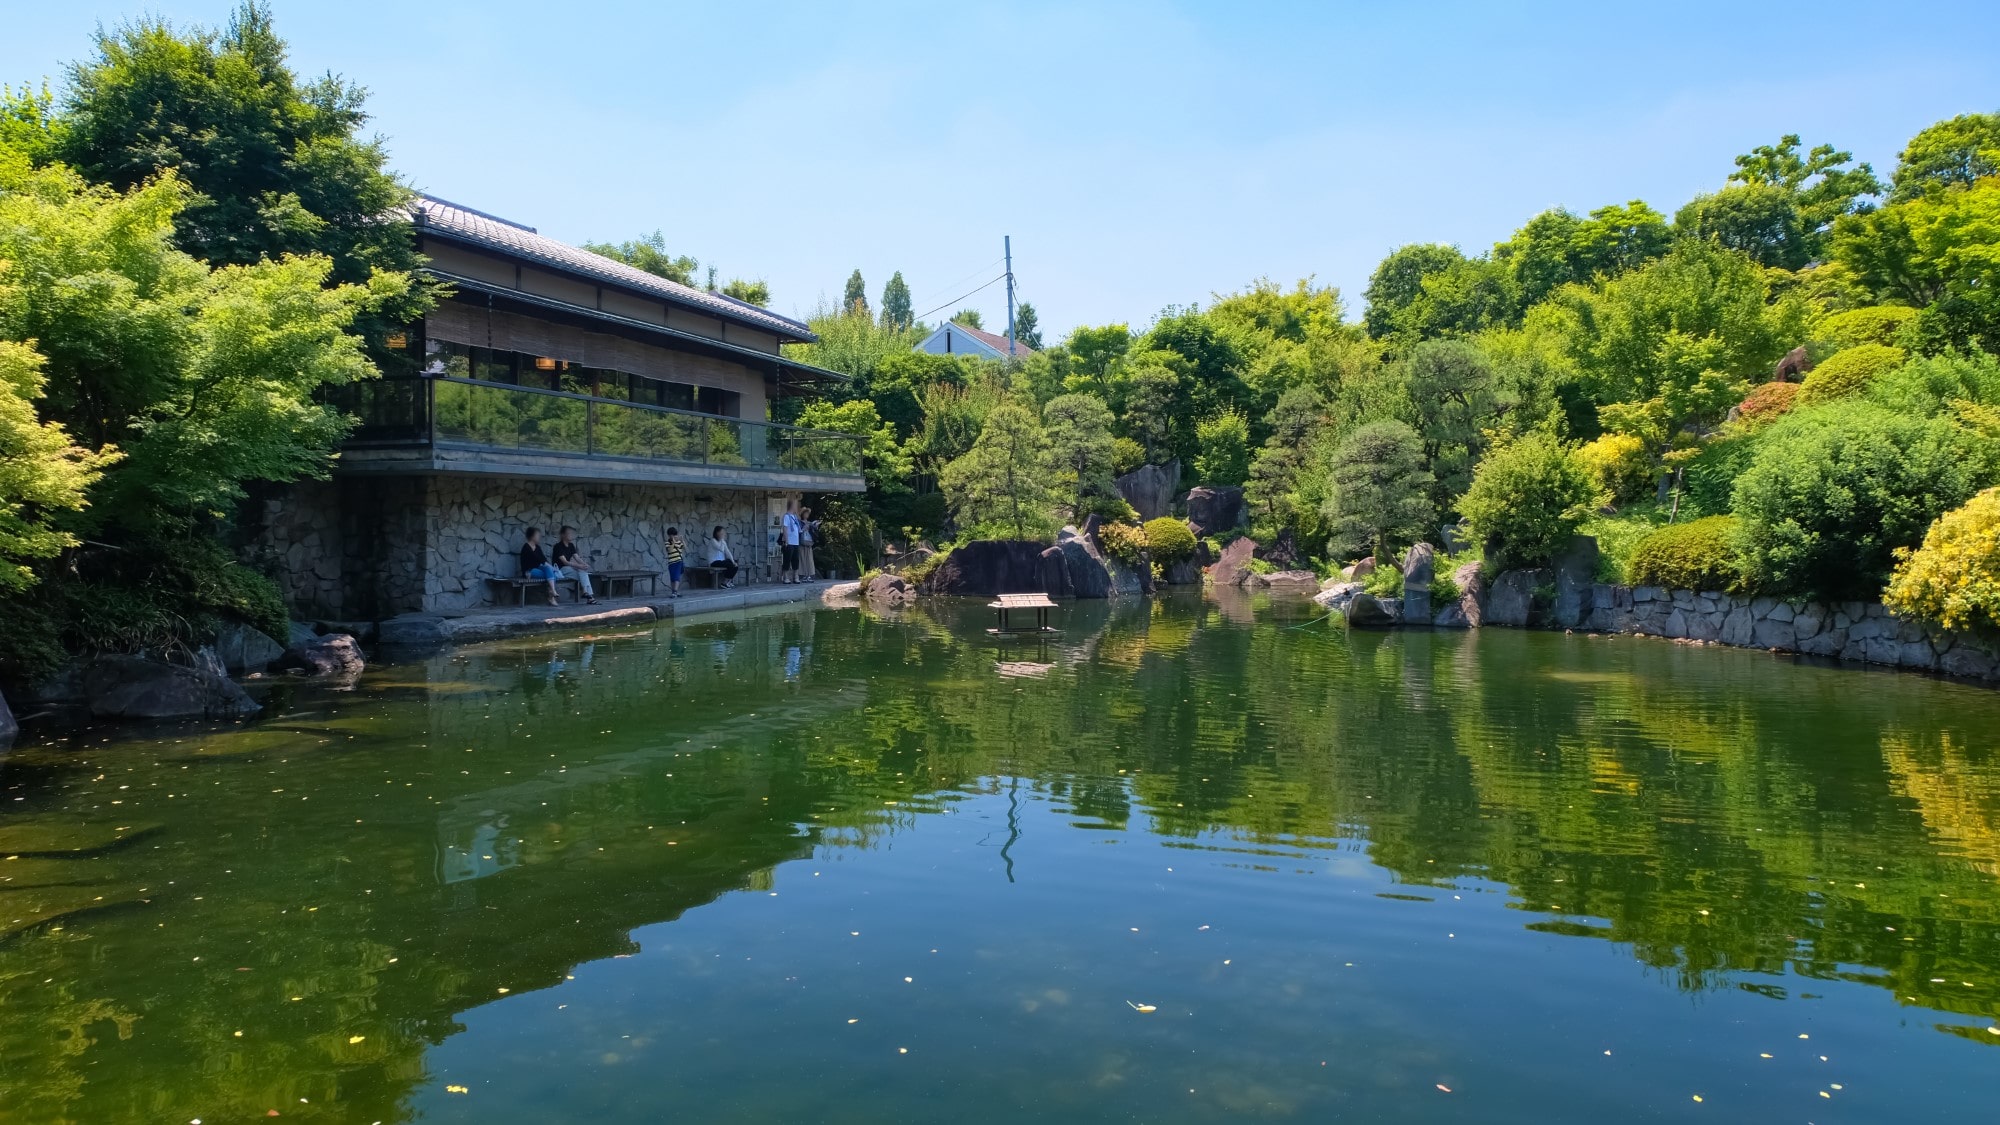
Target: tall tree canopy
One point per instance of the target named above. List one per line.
(1027, 326)
(1759, 219)
(1951, 153)
(855, 296)
(1399, 279)
(649, 252)
(896, 309)
(1002, 483)
(1822, 186)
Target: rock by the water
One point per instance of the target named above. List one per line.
(1299, 581)
(1337, 595)
(841, 593)
(1366, 611)
(1419, 567)
(888, 589)
(1055, 574)
(1576, 572)
(1359, 570)
(1472, 593)
(1212, 509)
(244, 650)
(300, 633)
(985, 567)
(1186, 572)
(1150, 489)
(1512, 598)
(335, 654)
(135, 687)
(1087, 572)
(8, 727)
(1234, 565)
(1283, 552)
(1452, 616)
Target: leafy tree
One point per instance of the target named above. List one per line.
(1527, 498)
(649, 252)
(1399, 279)
(752, 292)
(1940, 249)
(1295, 424)
(1557, 248)
(1081, 448)
(898, 380)
(1210, 366)
(1950, 154)
(897, 313)
(1093, 352)
(1834, 491)
(852, 344)
(273, 166)
(1152, 397)
(1223, 449)
(1820, 184)
(1379, 490)
(1027, 328)
(1758, 219)
(1451, 402)
(42, 473)
(968, 317)
(1465, 297)
(855, 297)
(1001, 483)
(886, 463)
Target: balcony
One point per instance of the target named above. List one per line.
(444, 424)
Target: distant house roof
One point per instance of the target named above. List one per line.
(452, 221)
(951, 338)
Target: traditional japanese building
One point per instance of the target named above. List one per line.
(552, 386)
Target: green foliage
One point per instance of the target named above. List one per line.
(1939, 385)
(1126, 455)
(968, 317)
(854, 298)
(1698, 555)
(1169, 540)
(649, 252)
(1757, 219)
(1451, 400)
(1556, 248)
(1950, 154)
(855, 345)
(886, 463)
(1126, 542)
(1295, 424)
(1385, 581)
(1940, 245)
(1848, 372)
(42, 473)
(1000, 486)
(1526, 500)
(1618, 536)
(1379, 490)
(1953, 578)
(1223, 453)
(897, 314)
(1152, 410)
(1766, 404)
(1833, 491)
(750, 292)
(1081, 451)
(1027, 327)
(1820, 185)
(1093, 353)
(920, 571)
(1398, 281)
(1708, 479)
(1617, 464)
(1871, 324)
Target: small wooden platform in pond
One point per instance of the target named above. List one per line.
(1006, 603)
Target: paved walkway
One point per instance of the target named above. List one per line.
(493, 622)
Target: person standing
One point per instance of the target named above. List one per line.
(535, 562)
(807, 534)
(569, 561)
(788, 542)
(721, 558)
(676, 561)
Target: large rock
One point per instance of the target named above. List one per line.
(1089, 569)
(1576, 572)
(1286, 581)
(1234, 565)
(8, 727)
(1283, 552)
(1336, 596)
(888, 589)
(1419, 567)
(1366, 611)
(244, 650)
(1512, 599)
(335, 654)
(136, 687)
(1472, 594)
(1359, 570)
(1150, 489)
(985, 567)
(1186, 572)
(1212, 509)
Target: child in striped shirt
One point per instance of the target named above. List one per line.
(676, 561)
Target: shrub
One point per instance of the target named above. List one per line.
(1618, 464)
(1110, 508)
(1222, 449)
(1126, 455)
(1937, 384)
(1767, 404)
(1384, 582)
(1953, 579)
(1444, 586)
(1125, 542)
(923, 568)
(1698, 555)
(1526, 500)
(1877, 324)
(1848, 372)
(1708, 480)
(1170, 540)
(1617, 537)
(1833, 491)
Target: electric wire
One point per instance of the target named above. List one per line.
(959, 298)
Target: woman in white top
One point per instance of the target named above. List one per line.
(721, 557)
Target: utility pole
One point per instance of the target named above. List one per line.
(1007, 246)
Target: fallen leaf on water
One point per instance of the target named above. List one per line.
(355, 1038)
(456, 1090)
(1697, 1097)
(1142, 1007)
(1444, 1087)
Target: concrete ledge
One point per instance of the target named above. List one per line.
(433, 630)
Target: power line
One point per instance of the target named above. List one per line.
(969, 275)
(957, 299)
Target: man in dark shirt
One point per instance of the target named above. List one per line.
(570, 563)
(535, 563)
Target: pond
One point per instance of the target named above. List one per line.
(1188, 860)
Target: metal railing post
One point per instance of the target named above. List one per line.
(704, 441)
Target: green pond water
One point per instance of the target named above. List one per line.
(1192, 860)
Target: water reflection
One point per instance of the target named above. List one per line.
(299, 914)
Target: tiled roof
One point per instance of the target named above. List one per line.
(452, 221)
(997, 343)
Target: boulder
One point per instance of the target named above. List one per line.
(888, 589)
(1336, 596)
(1419, 567)
(1150, 489)
(1212, 510)
(985, 567)
(138, 687)
(300, 633)
(1234, 565)
(1283, 552)
(1576, 572)
(1452, 616)
(8, 727)
(244, 650)
(1186, 572)
(1512, 600)
(335, 654)
(1472, 593)
(1288, 581)
(1088, 567)
(1055, 574)
(1366, 611)
(1356, 571)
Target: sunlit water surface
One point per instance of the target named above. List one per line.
(1185, 861)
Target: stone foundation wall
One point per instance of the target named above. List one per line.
(1860, 631)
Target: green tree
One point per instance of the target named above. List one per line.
(1939, 252)
(853, 344)
(1399, 279)
(1081, 449)
(885, 462)
(273, 166)
(897, 312)
(42, 473)
(1527, 498)
(1027, 327)
(649, 252)
(1950, 154)
(1093, 352)
(1152, 398)
(1758, 219)
(855, 297)
(1556, 248)
(752, 292)
(1379, 491)
(1001, 483)
(968, 317)
(1295, 424)
(1451, 402)
(1222, 452)
(1820, 183)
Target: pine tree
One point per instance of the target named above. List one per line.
(856, 297)
(896, 311)
(1027, 330)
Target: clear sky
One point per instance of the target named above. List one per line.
(1140, 155)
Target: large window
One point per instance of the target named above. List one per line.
(491, 365)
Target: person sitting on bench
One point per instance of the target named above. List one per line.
(535, 563)
(565, 558)
(721, 559)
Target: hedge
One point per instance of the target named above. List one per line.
(1697, 555)
(1953, 579)
(1848, 372)
(1169, 539)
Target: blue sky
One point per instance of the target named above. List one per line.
(1140, 155)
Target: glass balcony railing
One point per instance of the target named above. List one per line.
(533, 420)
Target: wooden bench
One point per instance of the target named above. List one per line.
(606, 581)
(520, 587)
(706, 571)
(1005, 603)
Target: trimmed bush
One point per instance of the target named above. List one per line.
(1618, 464)
(1766, 404)
(1697, 555)
(1848, 372)
(1526, 500)
(1953, 579)
(1169, 539)
(1877, 324)
(1125, 542)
